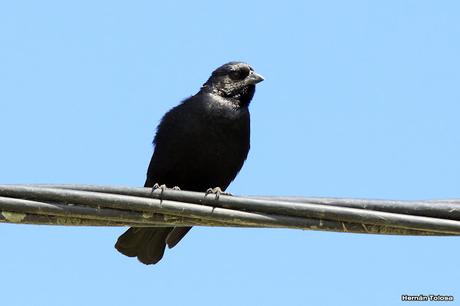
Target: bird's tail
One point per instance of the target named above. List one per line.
(148, 243)
(176, 235)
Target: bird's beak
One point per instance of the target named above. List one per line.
(254, 78)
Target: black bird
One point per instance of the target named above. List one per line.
(202, 143)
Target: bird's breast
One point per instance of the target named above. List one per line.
(200, 145)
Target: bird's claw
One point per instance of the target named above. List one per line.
(217, 191)
(163, 187)
(158, 186)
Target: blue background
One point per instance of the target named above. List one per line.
(361, 99)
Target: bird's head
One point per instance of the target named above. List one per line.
(235, 81)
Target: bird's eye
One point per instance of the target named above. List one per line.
(240, 74)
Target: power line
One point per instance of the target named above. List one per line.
(90, 205)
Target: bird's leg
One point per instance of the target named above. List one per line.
(217, 191)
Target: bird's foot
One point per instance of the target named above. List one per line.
(158, 186)
(217, 191)
(163, 187)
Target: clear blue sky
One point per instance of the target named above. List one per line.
(361, 99)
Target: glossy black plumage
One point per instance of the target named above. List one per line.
(201, 143)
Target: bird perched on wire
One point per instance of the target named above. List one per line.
(202, 143)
